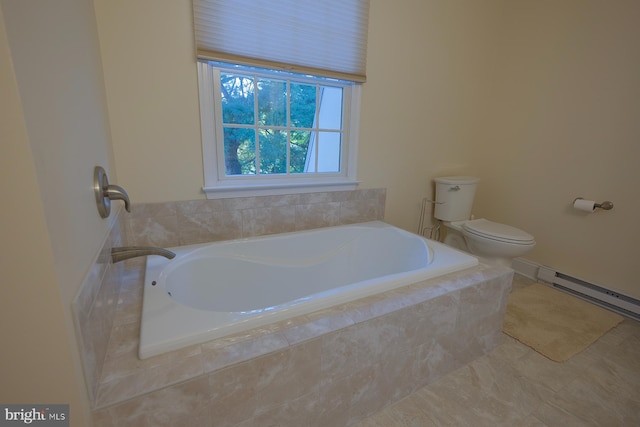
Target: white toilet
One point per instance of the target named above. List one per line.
(491, 242)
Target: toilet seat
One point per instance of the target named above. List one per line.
(498, 232)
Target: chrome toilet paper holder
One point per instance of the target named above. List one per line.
(606, 205)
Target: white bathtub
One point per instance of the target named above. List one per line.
(213, 290)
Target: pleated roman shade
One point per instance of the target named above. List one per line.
(320, 37)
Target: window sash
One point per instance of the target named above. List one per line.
(325, 38)
(217, 70)
(218, 184)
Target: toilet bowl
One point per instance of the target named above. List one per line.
(492, 242)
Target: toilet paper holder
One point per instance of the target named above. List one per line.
(606, 205)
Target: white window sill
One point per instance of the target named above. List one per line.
(235, 189)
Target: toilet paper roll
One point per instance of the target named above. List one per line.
(584, 205)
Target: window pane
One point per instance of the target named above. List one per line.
(237, 99)
(273, 151)
(330, 108)
(299, 149)
(303, 105)
(329, 152)
(239, 151)
(272, 103)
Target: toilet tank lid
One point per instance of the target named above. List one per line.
(456, 180)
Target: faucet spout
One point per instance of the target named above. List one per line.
(122, 253)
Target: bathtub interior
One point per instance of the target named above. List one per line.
(180, 307)
(252, 275)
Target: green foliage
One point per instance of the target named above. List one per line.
(239, 112)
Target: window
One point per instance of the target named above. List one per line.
(279, 85)
(277, 130)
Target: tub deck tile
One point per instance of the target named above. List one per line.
(216, 357)
(312, 359)
(316, 324)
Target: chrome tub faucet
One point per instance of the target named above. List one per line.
(122, 253)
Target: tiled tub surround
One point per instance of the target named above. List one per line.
(197, 221)
(397, 341)
(212, 290)
(330, 368)
(94, 307)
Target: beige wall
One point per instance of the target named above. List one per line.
(564, 123)
(537, 98)
(425, 66)
(426, 60)
(54, 131)
(35, 360)
(152, 91)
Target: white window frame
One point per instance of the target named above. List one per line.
(218, 185)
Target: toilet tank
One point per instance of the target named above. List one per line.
(454, 197)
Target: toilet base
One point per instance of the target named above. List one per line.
(456, 240)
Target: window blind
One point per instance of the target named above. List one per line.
(320, 37)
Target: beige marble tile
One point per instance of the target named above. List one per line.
(286, 375)
(317, 215)
(553, 416)
(281, 200)
(384, 419)
(551, 374)
(325, 197)
(363, 394)
(315, 325)
(239, 203)
(514, 385)
(95, 308)
(443, 411)
(159, 231)
(183, 404)
(396, 375)
(435, 317)
(274, 375)
(433, 360)
(406, 413)
(268, 220)
(360, 210)
(194, 207)
(212, 226)
(215, 356)
(257, 389)
(152, 210)
(588, 400)
(374, 306)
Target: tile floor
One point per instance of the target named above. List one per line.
(515, 386)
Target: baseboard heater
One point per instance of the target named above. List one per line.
(614, 301)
